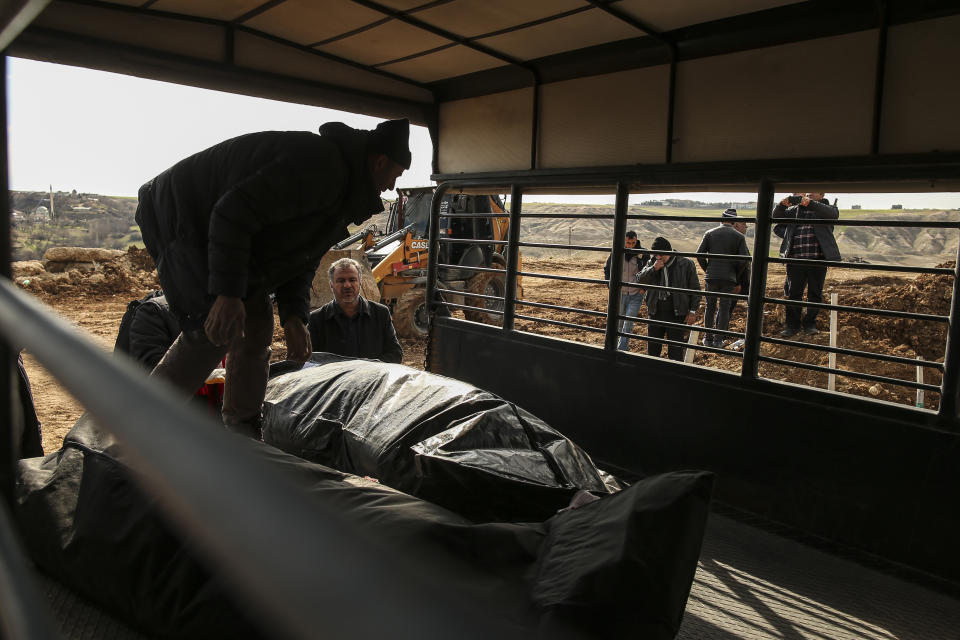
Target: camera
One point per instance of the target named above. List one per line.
(794, 199)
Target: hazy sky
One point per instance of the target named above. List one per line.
(106, 133)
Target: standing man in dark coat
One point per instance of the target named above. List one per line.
(679, 307)
(722, 275)
(350, 325)
(807, 242)
(250, 217)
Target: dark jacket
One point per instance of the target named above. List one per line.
(818, 209)
(728, 241)
(683, 274)
(254, 214)
(376, 335)
(152, 330)
(26, 430)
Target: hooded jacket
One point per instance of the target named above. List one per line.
(253, 215)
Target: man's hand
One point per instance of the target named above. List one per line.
(225, 321)
(805, 202)
(691, 317)
(297, 337)
(736, 289)
(658, 263)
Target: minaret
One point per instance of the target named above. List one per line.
(52, 214)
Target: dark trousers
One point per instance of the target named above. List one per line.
(674, 352)
(718, 310)
(800, 277)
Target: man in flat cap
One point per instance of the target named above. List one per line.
(722, 274)
(247, 218)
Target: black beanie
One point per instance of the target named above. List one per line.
(661, 244)
(392, 138)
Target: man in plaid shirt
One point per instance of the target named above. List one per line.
(805, 242)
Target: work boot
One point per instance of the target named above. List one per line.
(811, 331)
(788, 332)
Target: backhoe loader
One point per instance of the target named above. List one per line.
(399, 256)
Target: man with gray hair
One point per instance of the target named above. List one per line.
(350, 325)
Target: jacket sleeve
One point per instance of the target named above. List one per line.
(152, 331)
(693, 282)
(781, 211)
(648, 275)
(392, 351)
(293, 297)
(281, 191)
(703, 248)
(742, 265)
(318, 337)
(821, 210)
(606, 267)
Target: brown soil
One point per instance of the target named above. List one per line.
(95, 301)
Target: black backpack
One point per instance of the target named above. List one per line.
(122, 345)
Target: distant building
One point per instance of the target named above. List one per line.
(897, 206)
(856, 206)
(41, 214)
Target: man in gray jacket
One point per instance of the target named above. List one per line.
(678, 307)
(723, 275)
(806, 242)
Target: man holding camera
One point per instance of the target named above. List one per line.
(805, 242)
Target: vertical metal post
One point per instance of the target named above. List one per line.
(535, 121)
(616, 267)
(879, 78)
(229, 45)
(951, 359)
(8, 449)
(758, 282)
(832, 357)
(434, 251)
(513, 258)
(671, 100)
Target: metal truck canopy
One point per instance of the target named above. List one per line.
(553, 84)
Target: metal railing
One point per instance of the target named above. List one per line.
(752, 335)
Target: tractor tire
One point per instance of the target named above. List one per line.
(488, 284)
(410, 314)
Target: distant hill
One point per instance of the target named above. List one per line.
(905, 245)
(78, 219)
(92, 220)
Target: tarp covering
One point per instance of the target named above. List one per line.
(427, 435)
(616, 567)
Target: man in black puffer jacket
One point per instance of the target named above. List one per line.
(247, 218)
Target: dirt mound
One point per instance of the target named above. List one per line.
(904, 338)
(131, 273)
